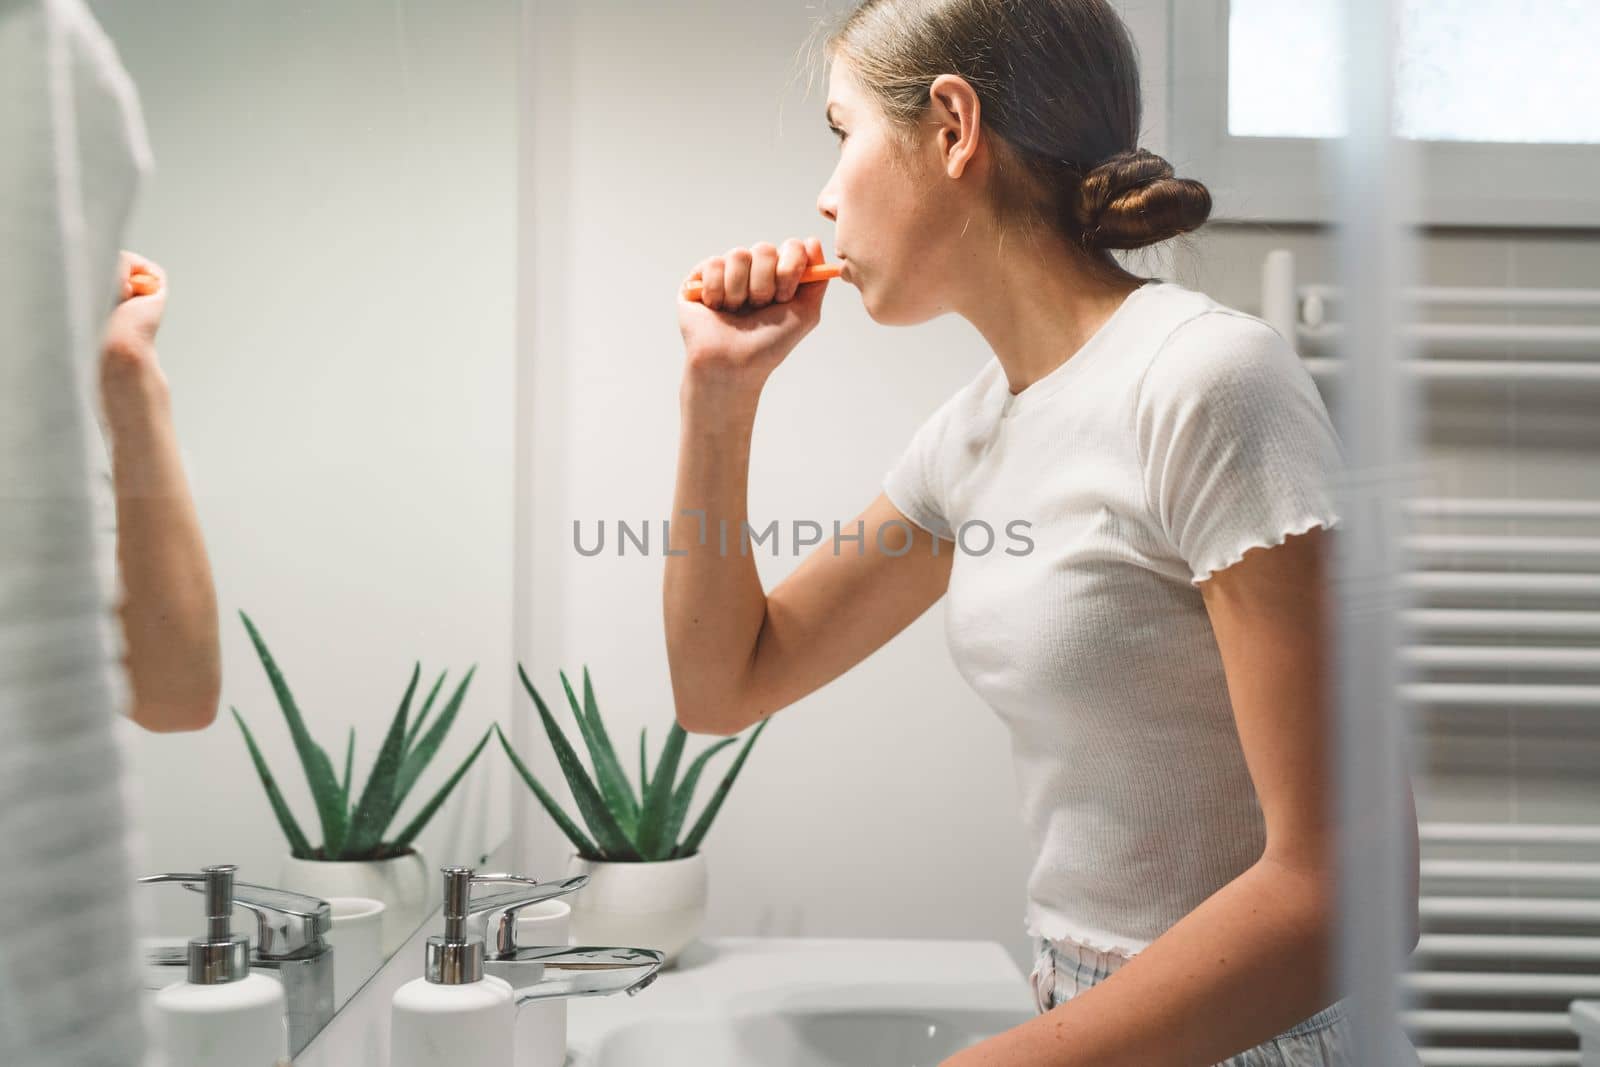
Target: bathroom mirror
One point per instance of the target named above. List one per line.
(334, 203)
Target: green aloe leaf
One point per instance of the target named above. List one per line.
(607, 771)
(318, 768)
(684, 795)
(349, 760)
(414, 827)
(584, 846)
(418, 758)
(299, 847)
(608, 834)
(593, 711)
(422, 716)
(644, 774)
(658, 798)
(692, 842)
(378, 804)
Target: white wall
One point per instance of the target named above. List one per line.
(883, 804)
(335, 202)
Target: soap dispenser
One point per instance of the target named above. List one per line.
(454, 1014)
(290, 944)
(459, 1014)
(222, 1015)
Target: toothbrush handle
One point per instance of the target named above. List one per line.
(817, 272)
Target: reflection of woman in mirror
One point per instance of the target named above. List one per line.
(168, 604)
(1128, 509)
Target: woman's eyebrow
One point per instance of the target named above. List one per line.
(828, 114)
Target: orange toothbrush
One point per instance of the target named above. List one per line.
(143, 283)
(817, 272)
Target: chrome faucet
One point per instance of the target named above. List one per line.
(538, 972)
(494, 917)
(290, 941)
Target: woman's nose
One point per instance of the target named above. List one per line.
(827, 204)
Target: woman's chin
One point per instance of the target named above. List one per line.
(893, 313)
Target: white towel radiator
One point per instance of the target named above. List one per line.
(1511, 938)
(1502, 608)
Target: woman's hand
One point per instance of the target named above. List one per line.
(130, 338)
(752, 311)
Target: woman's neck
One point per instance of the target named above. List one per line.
(1037, 308)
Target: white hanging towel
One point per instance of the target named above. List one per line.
(72, 154)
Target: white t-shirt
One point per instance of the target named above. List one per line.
(1086, 509)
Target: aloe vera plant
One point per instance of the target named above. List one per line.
(358, 832)
(623, 824)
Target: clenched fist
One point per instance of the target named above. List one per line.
(752, 310)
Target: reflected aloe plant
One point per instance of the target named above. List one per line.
(357, 833)
(624, 824)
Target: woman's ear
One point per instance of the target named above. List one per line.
(954, 111)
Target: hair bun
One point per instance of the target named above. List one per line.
(1131, 200)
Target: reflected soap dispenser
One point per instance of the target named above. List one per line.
(454, 1015)
(222, 1015)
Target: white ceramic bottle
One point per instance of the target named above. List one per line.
(468, 1025)
(221, 1015)
(454, 1015)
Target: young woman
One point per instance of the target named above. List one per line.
(1155, 640)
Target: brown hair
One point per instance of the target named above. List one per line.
(1058, 85)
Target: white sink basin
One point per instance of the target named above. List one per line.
(850, 1025)
(788, 1002)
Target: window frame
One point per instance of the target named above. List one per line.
(1460, 183)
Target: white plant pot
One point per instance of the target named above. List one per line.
(660, 905)
(403, 883)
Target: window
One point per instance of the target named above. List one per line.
(1501, 96)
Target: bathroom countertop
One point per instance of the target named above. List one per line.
(712, 977)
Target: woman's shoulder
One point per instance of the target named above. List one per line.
(1211, 347)
(1193, 317)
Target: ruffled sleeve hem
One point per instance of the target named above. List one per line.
(907, 504)
(1203, 571)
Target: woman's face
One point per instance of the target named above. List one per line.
(892, 227)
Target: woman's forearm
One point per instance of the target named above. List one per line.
(169, 613)
(712, 597)
(1247, 964)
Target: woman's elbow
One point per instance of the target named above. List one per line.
(174, 717)
(1318, 893)
(698, 724)
(180, 712)
(716, 718)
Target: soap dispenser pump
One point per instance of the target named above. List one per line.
(222, 1015)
